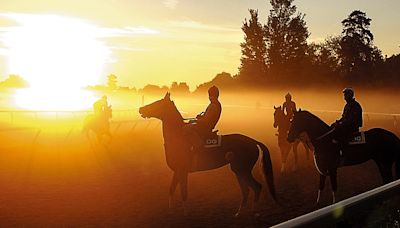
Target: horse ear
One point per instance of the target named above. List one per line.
(167, 96)
(299, 109)
(275, 107)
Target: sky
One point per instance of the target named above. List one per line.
(162, 41)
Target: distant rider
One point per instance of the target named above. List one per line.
(289, 106)
(100, 106)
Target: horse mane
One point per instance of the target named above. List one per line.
(178, 114)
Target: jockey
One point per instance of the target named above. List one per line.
(351, 119)
(289, 106)
(99, 106)
(205, 122)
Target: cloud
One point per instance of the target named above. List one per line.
(170, 4)
(189, 24)
(126, 31)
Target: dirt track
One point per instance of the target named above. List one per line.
(60, 183)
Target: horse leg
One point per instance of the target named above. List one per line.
(183, 177)
(245, 193)
(294, 146)
(285, 153)
(322, 179)
(110, 137)
(333, 177)
(386, 172)
(255, 186)
(172, 189)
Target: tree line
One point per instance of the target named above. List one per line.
(277, 52)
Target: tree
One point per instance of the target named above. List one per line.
(286, 36)
(324, 58)
(112, 81)
(253, 66)
(358, 56)
(181, 88)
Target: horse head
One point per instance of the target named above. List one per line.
(278, 113)
(161, 109)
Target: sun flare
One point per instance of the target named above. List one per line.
(58, 56)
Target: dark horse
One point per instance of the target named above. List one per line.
(240, 151)
(100, 125)
(282, 122)
(380, 145)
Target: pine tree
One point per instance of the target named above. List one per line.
(357, 53)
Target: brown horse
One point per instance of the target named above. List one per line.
(240, 151)
(282, 122)
(100, 125)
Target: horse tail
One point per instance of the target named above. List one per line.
(267, 169)
(397, 160)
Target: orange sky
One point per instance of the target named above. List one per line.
(163, 41)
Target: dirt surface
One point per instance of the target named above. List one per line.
(66, 181)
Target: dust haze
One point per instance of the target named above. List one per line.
(51, 174)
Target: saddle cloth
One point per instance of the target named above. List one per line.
(212, 140)
(358, 138)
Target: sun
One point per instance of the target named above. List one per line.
(58, 56)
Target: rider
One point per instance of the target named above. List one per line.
(99, 106)
(205, 121)
(351, 119)
(289, 106)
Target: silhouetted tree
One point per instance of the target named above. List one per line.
(222, 80)
(358, 56)
(325, 59)
(112, 81)
(286, 37)
(14, 81)
(253, 66)
(182, 87)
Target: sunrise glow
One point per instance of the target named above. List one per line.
(58, 56)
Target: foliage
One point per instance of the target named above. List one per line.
(253, 66)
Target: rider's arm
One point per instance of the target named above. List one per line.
(211, 111)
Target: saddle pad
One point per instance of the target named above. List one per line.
(213, 142)
(358, 139)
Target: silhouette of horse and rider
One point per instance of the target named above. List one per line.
(187, 149)
(341, 144)
(187, 146)
(99, 122)
(282, 121)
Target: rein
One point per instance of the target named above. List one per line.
(324, 135)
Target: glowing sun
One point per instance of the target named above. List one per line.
(58, 56)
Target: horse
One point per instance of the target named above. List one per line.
(100, 125)
(240, 151)
(282, 122)
(381, 146)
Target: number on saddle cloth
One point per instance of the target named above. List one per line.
(357, 138)
(212, 140)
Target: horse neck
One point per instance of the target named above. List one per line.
(316, 127)
(283, 122)
(172, 124)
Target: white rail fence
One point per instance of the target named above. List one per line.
(344, 213)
